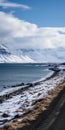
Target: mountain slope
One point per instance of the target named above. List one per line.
(7, 57)
(45, 55)
(31, 55)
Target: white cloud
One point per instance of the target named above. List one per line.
(6, 4)
(21, 34)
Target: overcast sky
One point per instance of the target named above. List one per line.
(32, 23)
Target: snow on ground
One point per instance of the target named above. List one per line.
(61, 67)
(21, 103)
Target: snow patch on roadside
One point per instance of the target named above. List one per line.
(22, 103)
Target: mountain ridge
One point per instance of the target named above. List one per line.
(31, 55)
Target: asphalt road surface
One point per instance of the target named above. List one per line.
(59, 123)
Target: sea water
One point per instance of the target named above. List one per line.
(13, 74)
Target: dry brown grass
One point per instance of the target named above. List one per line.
(40, 107)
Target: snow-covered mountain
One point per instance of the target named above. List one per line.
(8, 57)
(31, 55)
(44, 55)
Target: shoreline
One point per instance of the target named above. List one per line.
(22, 85)
(4, 95)
(41, 112)
(39, 106)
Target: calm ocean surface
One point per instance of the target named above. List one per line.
(12, 74)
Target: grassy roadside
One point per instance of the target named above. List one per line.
(44, 108)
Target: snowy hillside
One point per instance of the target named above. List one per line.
(45, 55)
(7, 57)
(31, 55)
